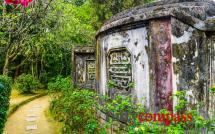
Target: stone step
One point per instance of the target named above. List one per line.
(31, 127)
(31, 119)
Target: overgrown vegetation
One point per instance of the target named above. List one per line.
(36, 45)
(38, 40)
(80, 104)
(74, 107)
(197, 123)
(59, 84)
(78, 110)
(5, 90)
(26, 83)
(212, 89)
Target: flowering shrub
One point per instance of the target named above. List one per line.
(24, 3)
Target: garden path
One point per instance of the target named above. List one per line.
(30, 119)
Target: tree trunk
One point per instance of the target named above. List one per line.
(16, 74)
(32, 68)
(6, 65)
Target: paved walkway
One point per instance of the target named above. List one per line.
(30, 119)
(16, 97)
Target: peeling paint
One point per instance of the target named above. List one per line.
(184, 38)
(174, 60)
(200, 25)
(192, 63)
(175, 82)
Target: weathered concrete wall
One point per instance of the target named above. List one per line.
(211, 37)
(161, 64)
(169, 45)
(134, 42)
(212, 73)
(191, 62)
(179, 57)
(84, 67)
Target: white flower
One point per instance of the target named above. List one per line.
(136, 129)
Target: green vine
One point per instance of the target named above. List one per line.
(111, 84)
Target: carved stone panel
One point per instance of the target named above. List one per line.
(119, 68)
(80, 70)
(84, 67)
(90, 70)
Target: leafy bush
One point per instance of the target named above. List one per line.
(197, 124)
(212, 89)
(26, 83)
(76, 108)
(124, 104)
(5, 90)
(60, 84)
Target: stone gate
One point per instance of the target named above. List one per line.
(84, 67)
(159, 48)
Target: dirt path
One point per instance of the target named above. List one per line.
(30, 119)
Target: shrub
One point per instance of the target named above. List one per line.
(60, 84)
(76, 108)
(26, 83)
(120, 105)
(5, 90)
(212, 89)
(197, 124)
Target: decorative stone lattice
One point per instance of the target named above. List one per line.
(91, 70)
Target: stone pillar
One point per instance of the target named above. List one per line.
(160, 31)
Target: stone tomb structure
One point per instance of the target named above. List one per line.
(159, 48)
(84, 67)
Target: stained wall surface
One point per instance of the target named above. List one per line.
(160, 48)
(130, 46)
(84, 68)
(164, 56)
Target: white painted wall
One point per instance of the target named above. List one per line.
(140, 74)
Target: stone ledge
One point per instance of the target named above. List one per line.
(17, 106)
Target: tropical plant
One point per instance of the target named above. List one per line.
(76, 109)
(59, 84)
(5, 90)
(26, 83)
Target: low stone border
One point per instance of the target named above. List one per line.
(17, 106)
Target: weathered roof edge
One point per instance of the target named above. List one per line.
(204, 25)
(84, 49)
